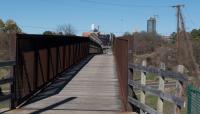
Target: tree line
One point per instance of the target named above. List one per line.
(10, 26)
(65, 29)
(194, 35)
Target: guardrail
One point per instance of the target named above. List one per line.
(6, 80)
(176, 99)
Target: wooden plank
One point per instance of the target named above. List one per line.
(159, 93)
(160, 72)
(34, 111)
(142, 106)
(6, 80)
(7, 63)
(5, 97)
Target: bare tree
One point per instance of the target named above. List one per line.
(66, 29)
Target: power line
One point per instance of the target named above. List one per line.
(120, 5)
(44, 28)
(35, 27)
(189, 17)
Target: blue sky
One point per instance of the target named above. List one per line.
(117, 16)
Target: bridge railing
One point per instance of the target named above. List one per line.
(40, 58)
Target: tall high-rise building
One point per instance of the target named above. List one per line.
(151, 25)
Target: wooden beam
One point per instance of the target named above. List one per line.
(144, 107)
(168, 97)
(167, 74)
(5, 97)
(6, 80)
(7, 63)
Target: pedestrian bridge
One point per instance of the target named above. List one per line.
(70, 74)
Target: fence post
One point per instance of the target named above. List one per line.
(161, 87)
(143, 82)
(179, 89)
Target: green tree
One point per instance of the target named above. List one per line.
(11, 26)
(173, 37)
(127, 34)
(2, 25)
(195, 34)
(48, 33)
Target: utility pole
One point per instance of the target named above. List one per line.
(185, 54)
(180, 25)
(180, 30)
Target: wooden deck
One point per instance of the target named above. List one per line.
(94, 88)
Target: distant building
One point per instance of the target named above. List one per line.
(151, 25)
(106, 39)
(93, 35)
(103, 39)
(94, 28)
(96, 35)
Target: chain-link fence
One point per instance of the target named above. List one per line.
(193, 100)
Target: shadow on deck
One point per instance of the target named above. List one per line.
(59, 83)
